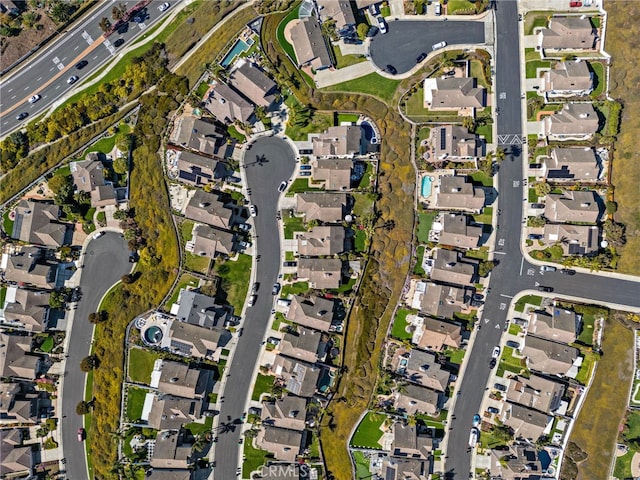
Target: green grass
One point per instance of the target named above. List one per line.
(586, 369)
(319, 123)
(486, 131)
(202, 89)
(262, 385)
(363, 203)
(532, 66)
(459, 6)
(514, 329)
(294, 288)
(47, 345)
(360, 240)
(7, 223)
(424, 225)
(482, 179)
(345, 60)
(623, 465)
(530, 299)
(286, 46)
(586, 335)
(367, 177)
(633, 425)
(347, 117)
(186, 227)
(423, 133)
(368, 432)
(533, 196)
(371, 84)
(89, 215)
(362, 466)
(3, 295)
(385, 10)
(104, 145)
(254, 458)
(477, 71)
(135, 402)
(455, 355)
(300, 185)
(600, 78)
(535, 20)
(292, 225)
(481, 253)
(400, 325)
(197, 428)
(345, 288)
(485, 217)
(289, 256)
(510, 363)
(186, 280)
(141, 364)
(235, 282)
(235, 134)
(196, 263)
(418, 270)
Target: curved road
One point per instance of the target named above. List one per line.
(47, 74)
(106, 259)
(263, 180)
(406, 40)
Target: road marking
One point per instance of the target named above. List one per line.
(76, 47)
(499, 253)
(57, 87)
(87, 37)
(497, 326)
(531, 272)
(95, 56)
(503, 306)
(60, 66)
(521, 265)
(501, 242)
(503, 95)
(516, 183)
(39, 78)
(506, 296)
(486, 320)
(13, 97)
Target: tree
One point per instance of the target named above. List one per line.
(362, 29)
(60, 11)
(614, 233)
(127, 279)
(105, 24)
(199, 442)
(30, 19)
(120, 165)
(612, 207)
(119, 12)
(62, 188)
(56, 299)
(536, 222)
(542, 189)
(469, 123)
(98, 317)
(485, 267)
(89, 363)
(500, 154)
(83, 408)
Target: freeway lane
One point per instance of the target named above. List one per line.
(106, 260)
(406, 40)
(262, 180)
(48, 73)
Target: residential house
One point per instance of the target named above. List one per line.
(448, 267)
(575, 121)
(454, 143)
(37, 223)
(443, 301)
(321, 273)
(416, 399)
(309, 44)
(526, 423)
(285, 445)
(211, 242)
(321, 241)
(339, 141)
(171, 450)
(313, 312)
(178, 379)
(169, 474)
(573, 165)
(341, 12)
(197, 134)
(254, 84)
(300, 378)
(559, 325)
(573, 206)
(17, 407)
(568, 33)
(198, 171)
(193, 341)
(227, 105)
(29, 267)
(304, 344)
(323, 207)
(9, 6)
(408, 443)
(455, 231)
(422, 368)
(458, 193)
(394, 468)
(199, 309)
(26, 309)
(15, 361)
(517, 463)
(16, 459)
(287, 412)
(88, 176)
(536, 392)
(573, 239)
(170, 413)
(549, 357)
(334, 172)
(436, 335)
(205, 207)
(452, 93)
(568, 79)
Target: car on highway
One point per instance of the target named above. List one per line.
(118, 43)
(567, 271)
(382, 25)
(282, 187)
(252, 211)
(255, 287)
(72, 79)
(496, 352)
(542, 288)
(35, 98)
(164, 6)
(81, 64)
(22, 116)
(500, 387)
(547, 268)
(276, 289)
(493, 410)
(81, 434)
(439, 45)
(252, 300)
(421, 57)
(512, 344)
(391, 69)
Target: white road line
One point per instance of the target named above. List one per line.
(57, 87)
(13, 97)
(10, 90)
(77, 47)
(499, 253)
(39, 78)
(521, 265)
(506, 296)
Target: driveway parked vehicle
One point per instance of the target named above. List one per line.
(282, 187)
(382, 25)
(252, 211)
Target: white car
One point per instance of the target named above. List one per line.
(164, 6)
(496, 352)
(72, 79)
(97, 235)
(252, 211)
(282, 187)
(547, 268)
(382, 25)
(439, 45)
(34, 99)
(252, 300)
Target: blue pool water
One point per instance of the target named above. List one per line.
(239, 47)
(425, 189)
(369, 132)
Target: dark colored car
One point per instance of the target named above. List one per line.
(290, 264)
(421, 57)
(493, 363)
(537, 205)
(391, 69)
(22, 116)
(501, 387)
(567, 271)
(276, 289)
(535, 166)
(493, 410)
(512, 344)
(535, 236)
(118, 43)
(542, 288)
(80, 65)
(305, 167)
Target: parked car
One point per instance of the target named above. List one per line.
(492, 363)
(500, 387)
(252, 301)
(305, 167)
(22, 116)
(575, 4)
(567, 271)
(535, 166)
(164, 6)
(252, 211)
(542, 288)
(373, 30)
(476, 303)
(382, 25)
(255, 287)
(306, 173)
(439, 45)
(97, 235)
(476, 420)
(72, 79)
(81, 64)
(244, 227)
(243, 245)
(513, 344)
(282, 187)
(290, 264)
(34, 99)
(391, 69)
(535, 236)
(276, 289)
(537, 205)
(421, 57)
(478, 296)
(493, 410)
(547, 268)
(519, 17)
(374, 9)
(496, 352)
(81, 434)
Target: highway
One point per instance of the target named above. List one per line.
(263, 179)
(47, 72)
(106, 260)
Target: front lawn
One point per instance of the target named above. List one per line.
(235, 134)
(319, 123)
(368, 432)
(371, 84)
(254, 458)
(234, 281)
(135, 402)
(294, 289)
(292, 225)
(425, 220)
(532, 67)
(481, 178)
(535, 20)
(186, 280)
(515, 329)
(486, 131)
(300, 185)
(510, 363)
(345, 60)
(477, 71)
(533, 196)
(262, 385)
(197, 428)
(485, 217)
(455, 355)
(527, 299)
(141, 364)
(400, 325)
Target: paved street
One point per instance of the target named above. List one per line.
(406, 40)
(106, 260)
(263, 179)
(48, 73)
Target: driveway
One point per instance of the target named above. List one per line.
(277, 163)
(106, 260)
(406, 40)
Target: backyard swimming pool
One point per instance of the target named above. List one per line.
(239, 47)
(369, 132)
(425, 189)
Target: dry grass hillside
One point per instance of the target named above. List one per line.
(623, 42)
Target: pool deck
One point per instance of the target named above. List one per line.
(435, 184)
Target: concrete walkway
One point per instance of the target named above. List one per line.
(325, 78)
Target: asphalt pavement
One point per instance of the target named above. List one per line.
(269, 161)
(47, 74)
(406, 40)
(106, 260)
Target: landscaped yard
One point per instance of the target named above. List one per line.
(514, 329)
(362, 466)
(141, 364)
(535, 20)
(477, 71)
(368, 432)
(586, 335)
(510, 363)
(400, 325)
(263, 385)
(360, 240)
(530, 299)
(291, 225)
(424, 226)
(7, 223)
(363, 203)
(196, 263)
(623, 465)
(347, 118)
(485, 217)
(372, 84)
(588, 364)
(532, 67)
(197, 428)
(300, 185)
(135, 402)
(235, 134)
(481, 178)
(416, 110)
(455, 355)
(418, 270)
(186, 280)
(486, 131)
(599, 78)
(345, 60)
(253, 458)
(234, 281)
(533, 196)
(286, 46)
(3, 295)
(294, 289)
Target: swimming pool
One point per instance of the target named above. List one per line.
(425, 189)
(369, 132)
(239, 47)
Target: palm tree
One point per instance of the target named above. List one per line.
(199, 442)
(500, 154)
(412, 420)
(105, 24)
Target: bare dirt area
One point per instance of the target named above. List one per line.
(13, 48)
